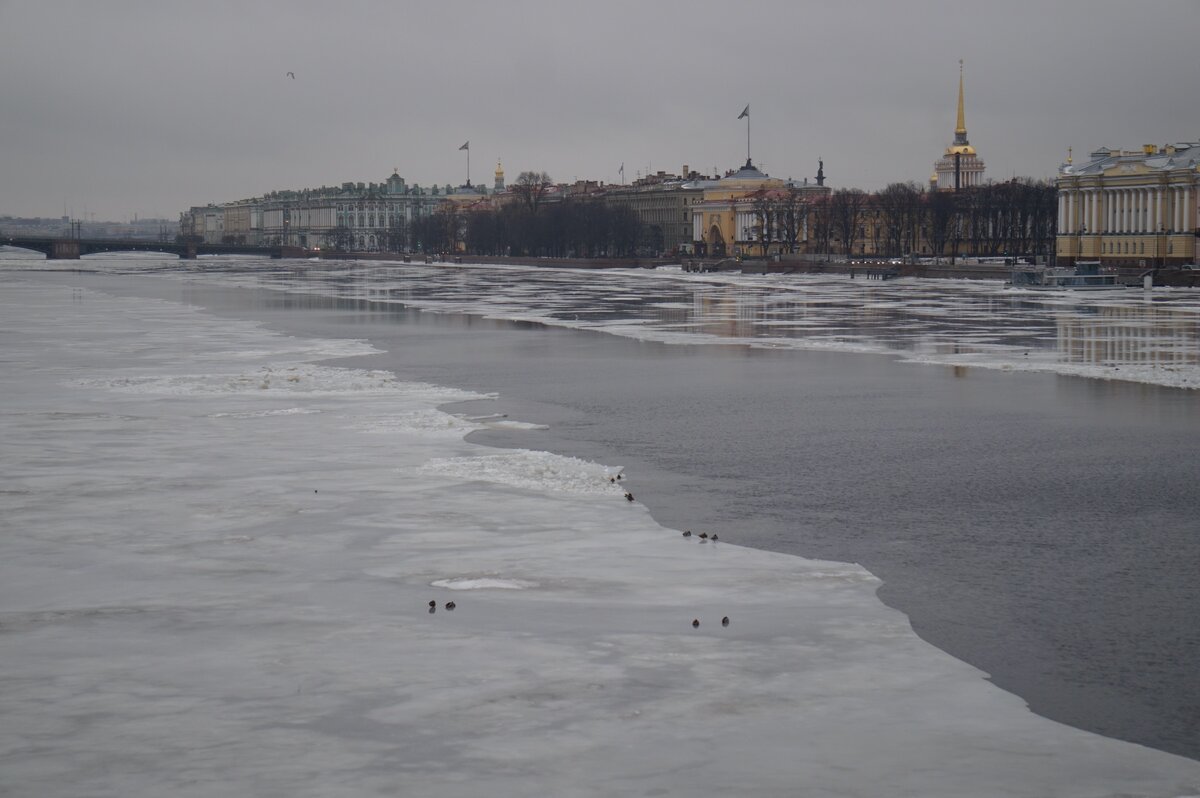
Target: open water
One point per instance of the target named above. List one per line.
(1040, 526)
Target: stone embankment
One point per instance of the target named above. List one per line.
(555, 263)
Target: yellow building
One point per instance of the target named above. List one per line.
(719, 227)
(1130, 208)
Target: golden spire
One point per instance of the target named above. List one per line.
(961, 129)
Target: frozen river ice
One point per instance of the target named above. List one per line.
(217, 553)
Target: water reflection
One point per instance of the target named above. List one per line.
(1129, 335)
(1126, 335)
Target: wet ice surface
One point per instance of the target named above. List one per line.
(1123, 335)
(215, 565)
(1116, 335)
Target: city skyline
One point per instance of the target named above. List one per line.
(128, 108)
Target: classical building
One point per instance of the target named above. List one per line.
(1130, 208)
(364, 217)
(204, 223)
(960, 166)
(721, 228)
(738, 213)
(243, 222)
(356, 216)
(664, 203)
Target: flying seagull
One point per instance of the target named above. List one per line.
(292, 75)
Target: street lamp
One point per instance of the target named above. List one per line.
(1158, 249)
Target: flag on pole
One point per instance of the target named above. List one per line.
(466, 146)
(745, 111)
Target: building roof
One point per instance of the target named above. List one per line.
(1169, 157)
(748, 172)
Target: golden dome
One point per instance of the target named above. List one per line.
(499, 170)
(960, 149)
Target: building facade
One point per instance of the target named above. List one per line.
(718, 228)
(1130, 208)
(744, 213)
(363, 217)
(203, 223)
(664, 203)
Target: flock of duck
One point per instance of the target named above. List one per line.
(703, 537)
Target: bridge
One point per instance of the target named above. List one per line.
(73, 248)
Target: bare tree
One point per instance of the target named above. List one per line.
(791, 214)
(822, 220)
(942, 218)
(531, 187)
(846, 210)
(764, 218)
(393, 237)
(339, 238)
(897, 203)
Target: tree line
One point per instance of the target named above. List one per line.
(1016, 217)
(531, 226)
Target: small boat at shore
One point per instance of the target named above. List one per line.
(1086, 276)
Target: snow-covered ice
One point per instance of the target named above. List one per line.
(216, 558)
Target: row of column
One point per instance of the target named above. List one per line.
(1124, 210)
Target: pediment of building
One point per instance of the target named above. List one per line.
(1117, 170)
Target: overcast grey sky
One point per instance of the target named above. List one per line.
(146, 108)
